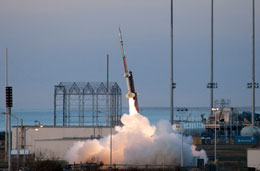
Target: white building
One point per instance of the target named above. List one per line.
(53, 142)
(253, 160)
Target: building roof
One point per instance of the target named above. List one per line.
(87, 88)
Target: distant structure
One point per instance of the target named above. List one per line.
(84, 104)
(221, 103)
(228, 121)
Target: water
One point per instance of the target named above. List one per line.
(154, 114)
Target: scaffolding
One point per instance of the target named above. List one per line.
(84, 104)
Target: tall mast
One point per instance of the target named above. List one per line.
(253, 63)
(107, 90)
(211, 58)
(172, 84)
(6, 116)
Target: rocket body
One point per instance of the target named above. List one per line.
(129, 76)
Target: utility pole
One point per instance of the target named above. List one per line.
(215, 139)
(182, 111)
(253, 63)
(253, 84)
(6, 116)
(182, 140)
(211, 85)
(107, 90)
(9, 104)
(172, 84)
(211, 58)
(111, 120)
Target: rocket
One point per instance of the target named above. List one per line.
(128, 76)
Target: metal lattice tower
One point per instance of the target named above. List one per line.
(84, 104)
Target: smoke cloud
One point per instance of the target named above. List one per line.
(138, 142)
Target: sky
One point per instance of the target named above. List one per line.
(52, 41)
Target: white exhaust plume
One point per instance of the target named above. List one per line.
(138, 142)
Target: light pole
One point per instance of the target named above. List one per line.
(211, 85)
(172, 84)
(24, 145)
(6, 116)
(111, 147)
(9, 105)
(37, 126)
(17, 139)
(215, 141)
(107, 112)
(253, 84)
(17, 142)
(182, 110)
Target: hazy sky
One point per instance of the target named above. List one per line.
(51, 41)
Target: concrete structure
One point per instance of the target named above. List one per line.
(54, 142)
(253, 158)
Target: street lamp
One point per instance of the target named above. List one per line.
(37, 126)
(215, 141)
(182, 110)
